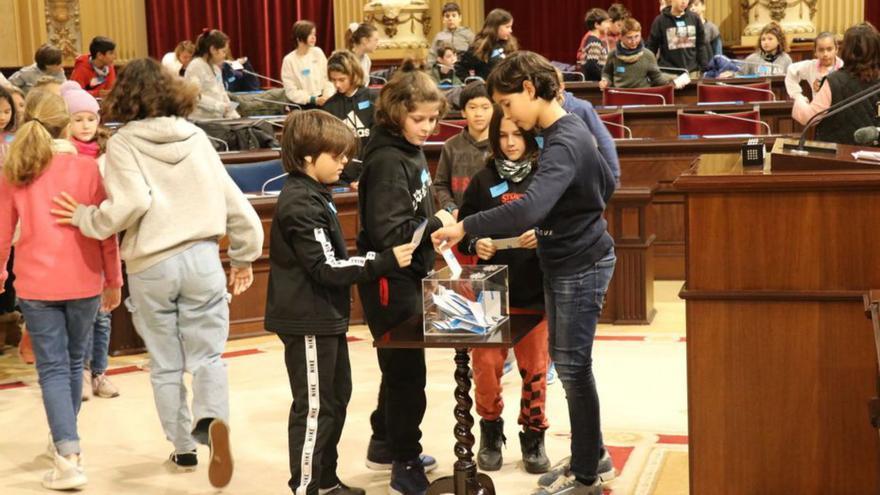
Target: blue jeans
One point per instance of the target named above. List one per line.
(59, 334)
(179, 308)
(99, 345)
(573, 304)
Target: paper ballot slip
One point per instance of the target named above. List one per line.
(507, 243)
(419, 232)
(449, 257)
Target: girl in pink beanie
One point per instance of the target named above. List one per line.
(90, 140)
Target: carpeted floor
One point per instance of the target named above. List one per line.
(640, 371)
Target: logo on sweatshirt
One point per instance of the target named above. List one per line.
(681, 36)
(357, 125)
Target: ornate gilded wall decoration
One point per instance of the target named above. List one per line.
(404, 23)
(63, 26)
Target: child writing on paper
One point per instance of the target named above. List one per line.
(309, 296)
(504, 179)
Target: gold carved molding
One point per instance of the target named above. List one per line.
(63, 26)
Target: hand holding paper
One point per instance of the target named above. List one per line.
(681, 81)
(451, 235)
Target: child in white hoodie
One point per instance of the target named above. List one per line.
(206, 73)
(167, 188)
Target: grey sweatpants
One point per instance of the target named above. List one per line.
(180, 310)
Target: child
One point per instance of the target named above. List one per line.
(47, 62)
(18, 98)
(178, 60)
(308, 302)
(89, 140)
(63, 278)
(464, 154)
(8, 119)
(494, 42)
(618, 13)
(505, 178)
(362, 40)
(205, 72)
(9, 317)
(677, 34)
(814, 71)
(95, 71)
(770, 57)
(394, 198)
(712, 39)
(631, 65)
(453, 33)
(443, 69)
(352, 103)
(565, 201)
(159, 166)
(593, 50)
(304, 70)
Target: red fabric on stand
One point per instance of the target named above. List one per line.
(258, 29)
(533, 21)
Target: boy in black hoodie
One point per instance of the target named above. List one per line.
(394, 199)
(352, 103)
(677, 35)
(308, 301)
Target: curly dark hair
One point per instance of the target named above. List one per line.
(861, 52)
(145, 89)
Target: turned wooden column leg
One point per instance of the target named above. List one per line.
(466, 479)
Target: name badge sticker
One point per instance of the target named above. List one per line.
(540, 141)
(498, 52)
(499, 189)
(620, 69)
(306, 72)
(332, 207)
(364, 105)
(425, 176)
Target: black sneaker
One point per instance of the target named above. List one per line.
(379, 457)
(342, 489)
(408, 478)
(185, 462)
(489, 457)
(534, 455)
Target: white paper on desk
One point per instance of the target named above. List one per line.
(681, 81)
(507, 243)
(867, 155)
(449, 257)
(419, 232)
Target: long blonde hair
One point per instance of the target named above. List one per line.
(45, 119)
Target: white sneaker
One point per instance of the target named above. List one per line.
(50, 448)
(67, 474)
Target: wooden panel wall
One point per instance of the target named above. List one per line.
(124, 21)
(20, 39)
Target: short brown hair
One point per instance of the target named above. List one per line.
(361, 32)
(144, 90)
(345, 62)
(310, 133)
(185, 46)
(302, 30)
(442, 48)
(451, 7)
(776, 30)
(404, 91)
(861, 52)
(618, 12)
(47, 55)
(630, 24)
(595, 16)
(510, 74)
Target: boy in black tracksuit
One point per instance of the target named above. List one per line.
(308, 300)
(357, 112)
(678, 35)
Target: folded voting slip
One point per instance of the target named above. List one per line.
(459, 313)
(419, 232)
(449, 257)
(507, 243)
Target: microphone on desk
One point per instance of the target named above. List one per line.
(218, 140)
(276, 81)
(285, 104)
(838, 107)
(655, 95)
(273, 179)
(580, 75)
(748, 88)
(743, 119)
(384, 81)
(869, 136)
(625, 128)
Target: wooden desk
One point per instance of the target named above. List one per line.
(589, 90)
(465, 480)
(781, 359)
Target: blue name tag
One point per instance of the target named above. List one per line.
(680, 24)
(425, 176)
(364, 105)
(332, 207)
(499, 189)
(306, 72)
(9, 137)
(498, 52)
(540, 141)
(620, 69)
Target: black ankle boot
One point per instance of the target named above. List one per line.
(533, 454)
(491, 438)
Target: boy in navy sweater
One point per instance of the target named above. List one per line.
(566, 201)
(308, 303)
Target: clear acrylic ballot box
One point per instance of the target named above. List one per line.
(471, 304)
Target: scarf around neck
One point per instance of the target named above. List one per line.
(629, 56)
(514, 171)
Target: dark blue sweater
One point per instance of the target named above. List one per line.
(587, 113)
(565, 200)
